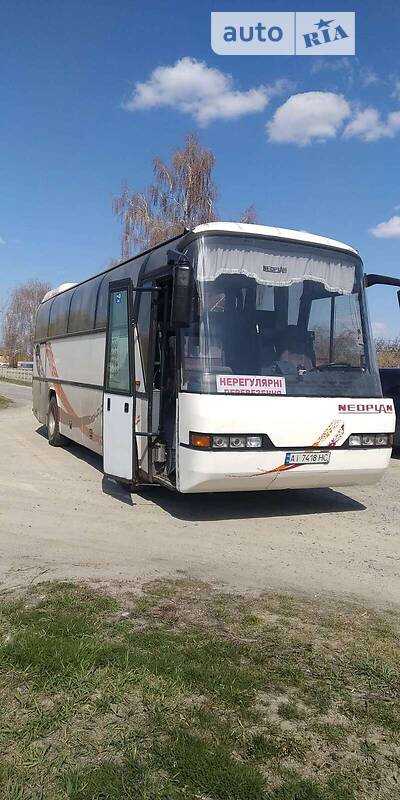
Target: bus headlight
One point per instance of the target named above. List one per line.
(383, 440)
(253, 441)
(237, 441)
(229, 441)
(370, 440)
(220, 442)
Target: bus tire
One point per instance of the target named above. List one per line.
(53, 424)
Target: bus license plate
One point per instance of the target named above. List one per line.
(307, 457)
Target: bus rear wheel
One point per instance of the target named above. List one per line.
(53, 424)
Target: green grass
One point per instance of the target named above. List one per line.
(15, 380)
(4, 402)
(186, 693)
(290, 711)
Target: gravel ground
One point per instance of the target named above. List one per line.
(60, 518)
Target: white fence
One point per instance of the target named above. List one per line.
(19, 374)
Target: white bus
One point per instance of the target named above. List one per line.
(232, 357)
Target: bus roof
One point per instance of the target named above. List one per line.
(221, 227)
(276, 233)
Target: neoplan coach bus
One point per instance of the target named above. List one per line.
(232, 357)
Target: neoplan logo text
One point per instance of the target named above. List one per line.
(278, 270)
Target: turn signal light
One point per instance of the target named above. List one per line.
(200, 440)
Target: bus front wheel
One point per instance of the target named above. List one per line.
(53, 424)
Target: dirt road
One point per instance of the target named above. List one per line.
(59, 518)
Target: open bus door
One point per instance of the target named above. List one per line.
(119, 454)
(172, 292)
(170, 311)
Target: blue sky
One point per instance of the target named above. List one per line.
(313, 143)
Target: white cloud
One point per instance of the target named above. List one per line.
(347, 71)
(368, 125)
(340, 64)
(387, 230)
(2, 241)
(308, 116)
(321, 115)
(368, 77)
(205, 93)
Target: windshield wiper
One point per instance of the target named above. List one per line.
(336, 365)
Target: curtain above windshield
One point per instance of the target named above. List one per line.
(274, 264)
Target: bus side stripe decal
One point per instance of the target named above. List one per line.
(66, 409)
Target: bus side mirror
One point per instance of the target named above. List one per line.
(380, 280)
(182, 289)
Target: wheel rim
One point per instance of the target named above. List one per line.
(52, 423)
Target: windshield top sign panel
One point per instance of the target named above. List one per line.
(250, 384)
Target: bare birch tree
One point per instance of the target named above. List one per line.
(388, 352)
(19, 319)
(182, 195)
(249, 216)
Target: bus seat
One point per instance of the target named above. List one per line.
(295, 346)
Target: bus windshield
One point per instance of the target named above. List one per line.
(274, 317)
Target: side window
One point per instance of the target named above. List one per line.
(344, 343)
(143, 325)
(295, 292)
(102, 301)
(319, 323)
(42, 320)
(265, 299)
(83, 307)
(348, 332)
(215, 299)
(59, 314)
(128, 270)
(118, 371)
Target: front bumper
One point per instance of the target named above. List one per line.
(250, 471)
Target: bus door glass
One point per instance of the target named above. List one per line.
(118, 401)
(162, 386)
(143, 339)
(165, 385)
